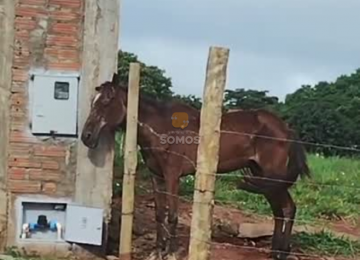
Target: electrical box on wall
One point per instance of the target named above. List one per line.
(54, 107)
(51, 221)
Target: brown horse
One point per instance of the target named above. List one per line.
(256, 140)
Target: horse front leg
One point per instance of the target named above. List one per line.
(172, 186)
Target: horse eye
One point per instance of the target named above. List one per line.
(172, 118)
(175, 117)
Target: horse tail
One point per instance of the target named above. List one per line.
(297, 164)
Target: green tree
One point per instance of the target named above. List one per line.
(327, 113)
(249, 99)
(153, 80)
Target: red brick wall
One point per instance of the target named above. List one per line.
(48, 35)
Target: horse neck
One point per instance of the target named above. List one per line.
(149, 118)
(154, 118)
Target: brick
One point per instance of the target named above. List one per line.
(22, 48)
(50, 151)
(33, 2)
(65, 28)
(21, 58)
(20, 75)
(30, 11)
(18, 87)
(18, 99)
(49, 187)
(66, 3)
(41, 175)
(23, 162)
(22, 35)
(21, 137)
(21, 63)
(17, 174)
(50, 165)
(20, 149)
(64, 16)
(65, 41)
(64, 66)
(18, 125)
(18, 113)
(24, 186)
(62, 54)
(22, 23)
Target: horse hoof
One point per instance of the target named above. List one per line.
(292, 257)
(172, 257)
(279, 256)
(156, 255)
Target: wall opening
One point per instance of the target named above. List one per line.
(43, 221)
(52, 220)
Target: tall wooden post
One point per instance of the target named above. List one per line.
(208, 154)
(130, 163)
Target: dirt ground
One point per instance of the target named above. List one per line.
(224, 246)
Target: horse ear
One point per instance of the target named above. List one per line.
(115, 79)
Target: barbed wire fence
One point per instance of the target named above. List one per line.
(307, 182)
(57, 250)
(245, 174)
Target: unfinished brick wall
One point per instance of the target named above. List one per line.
(48, 35)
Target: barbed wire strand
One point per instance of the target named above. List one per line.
(221, 203)
(60, 250)
(240, 174)
(260, 250)
(324, 145)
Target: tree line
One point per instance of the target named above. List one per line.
(326, 113)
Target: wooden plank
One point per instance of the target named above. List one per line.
(208, 154)
(130, 163)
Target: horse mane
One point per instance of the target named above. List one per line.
(162, 106)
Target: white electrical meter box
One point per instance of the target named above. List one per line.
(54, 101)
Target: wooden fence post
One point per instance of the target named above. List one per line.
(208, 153)
(130, 163)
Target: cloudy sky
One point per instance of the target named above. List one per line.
(275, 45)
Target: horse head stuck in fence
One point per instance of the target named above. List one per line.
(256, 140)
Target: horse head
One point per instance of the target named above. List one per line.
(108, 110)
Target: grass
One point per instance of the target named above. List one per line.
(335, 195)
(325, 244)
(332, 192)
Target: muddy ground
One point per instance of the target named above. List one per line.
(225, 244)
